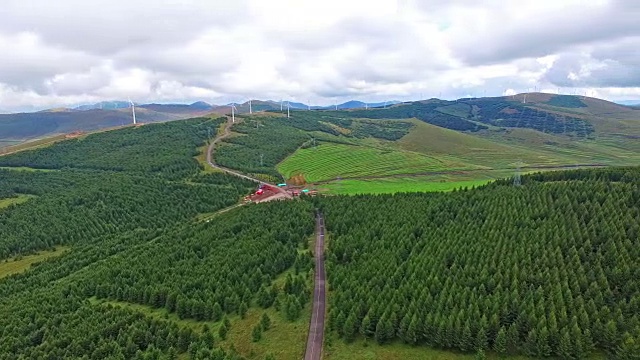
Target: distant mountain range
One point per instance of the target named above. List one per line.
(257, 105)
(114, 105)
(21, 127)
(353, 104)
(16, 128)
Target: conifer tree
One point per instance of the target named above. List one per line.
(411, 336)
(222, 331)
(467, 342)
(481, 341)
(265, 321)
(565, 348)
(500, 343)
(256, 333)
(242, 310)
(349, 329)
(365, 327)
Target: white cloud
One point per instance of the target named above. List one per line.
(67, 51)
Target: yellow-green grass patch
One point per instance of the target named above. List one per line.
(21, 263)
(32, 144)
(330, 161)
(370, 350)
(400, 184)
(15, 200)
(491, 149)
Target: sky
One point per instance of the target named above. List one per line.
(71, 52)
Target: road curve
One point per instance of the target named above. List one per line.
(316, 326)
(226, 133)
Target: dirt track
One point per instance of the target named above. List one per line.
(316, 326)
(282, 194)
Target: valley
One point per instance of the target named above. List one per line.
(430, 251)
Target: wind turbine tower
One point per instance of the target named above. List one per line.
(133, 111)
(517, 181)
(233, 113)
(250, 111)
(288, 110)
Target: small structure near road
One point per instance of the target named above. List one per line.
(263, 192)
(266, 192)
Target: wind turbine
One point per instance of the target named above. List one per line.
(233, 113)
(133, 111)
(250, 111)
(308, 104)
(288, 110)
(280, 104)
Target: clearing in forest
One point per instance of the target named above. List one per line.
(14, 200)
(23, 263)
(329, 161)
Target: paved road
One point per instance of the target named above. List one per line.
(316, 327)
(227, 132)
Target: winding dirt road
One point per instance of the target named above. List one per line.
(316, 326)
(282, 194)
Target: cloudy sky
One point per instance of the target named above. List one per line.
(67, 52)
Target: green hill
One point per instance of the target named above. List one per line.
(22, 127)
(105, 254)
(329, 161)
(454, 157)
(453, 142)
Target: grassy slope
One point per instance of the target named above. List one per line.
(14, 200)
(19, 146)
(604, 150)
(616, 127)
(400, 184)
(29, 126)
(329, 161)
(18, 265)
(452, 159)
(370, 350)
(430, 139)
